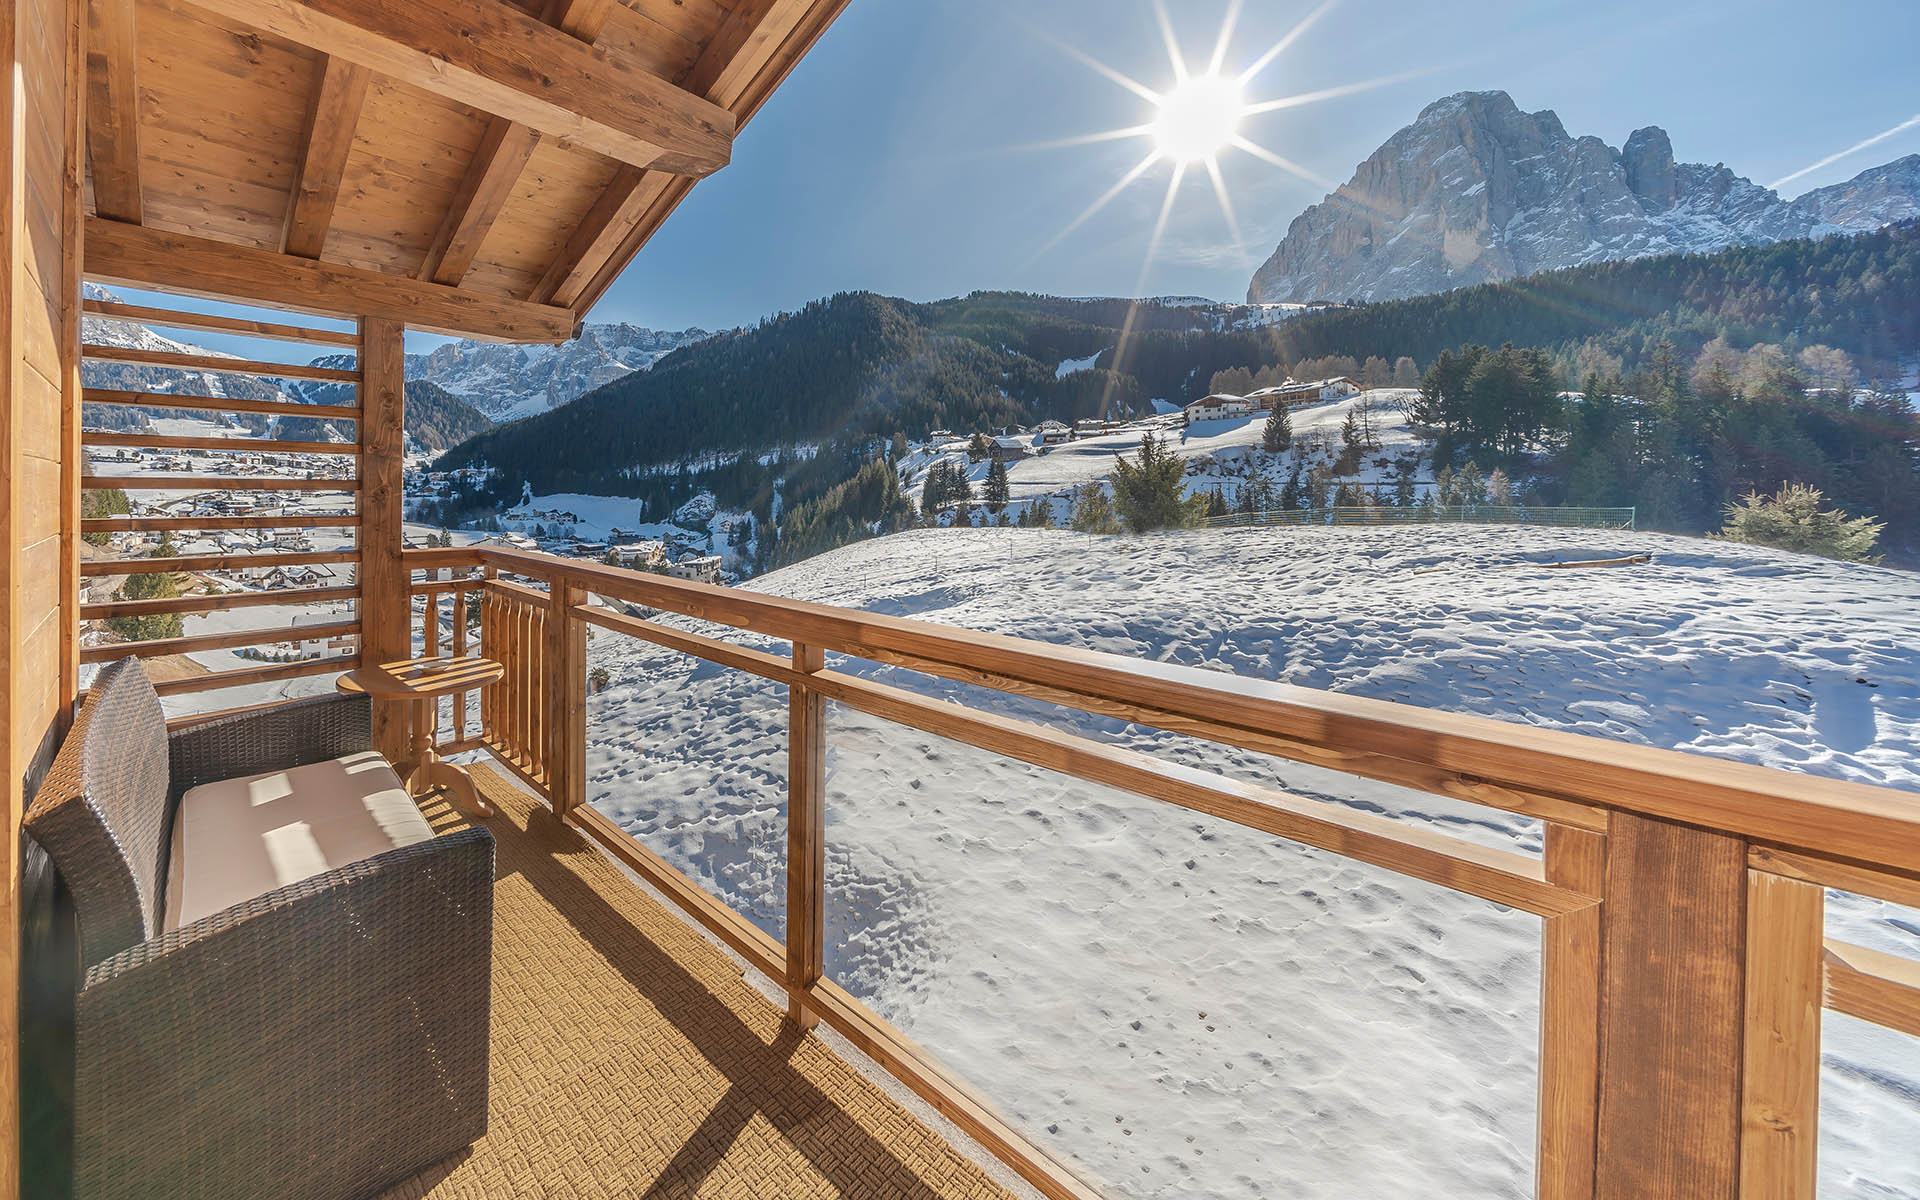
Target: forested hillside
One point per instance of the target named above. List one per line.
(1743, 368)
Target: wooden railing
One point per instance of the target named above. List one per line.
(1685, 961)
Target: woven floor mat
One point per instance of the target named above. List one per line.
(631, 1059)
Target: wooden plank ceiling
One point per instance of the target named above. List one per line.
(478, 167)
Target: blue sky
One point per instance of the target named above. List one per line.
(900, 156)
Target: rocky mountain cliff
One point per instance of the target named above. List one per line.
(1476, 190)
(506, 382)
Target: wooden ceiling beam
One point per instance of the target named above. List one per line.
(139, 256)
(332, 116)
(751, 30)
(491, 56)
(751, 54)
(504, 151)
(113, 109)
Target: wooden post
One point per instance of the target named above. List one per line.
(1780, 1102)
(566, 726)
(806, 837)
(386, 611)
(1570, 1018)
(1673, 979)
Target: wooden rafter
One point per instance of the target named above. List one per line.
(113, 110)
(760, 42)
(495, 58)
(332, 115)
(138, 256)
(504, 151)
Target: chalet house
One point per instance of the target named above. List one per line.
(639, 556)
(1053, 433)
(1009, 449)
(1216, 407)
(702, 569)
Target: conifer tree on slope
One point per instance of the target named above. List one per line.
(1150, 492)
(996, 491)
(1276, 436)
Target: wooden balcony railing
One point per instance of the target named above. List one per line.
(1685, 962)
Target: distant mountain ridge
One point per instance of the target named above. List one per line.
(1477, 191)
(508, 382)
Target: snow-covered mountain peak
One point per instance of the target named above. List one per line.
(1475, 190)
(506, 382)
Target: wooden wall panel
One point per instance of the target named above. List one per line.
(408, 158)
(558, 184)
(40, 43)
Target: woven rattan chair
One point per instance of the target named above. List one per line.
(320, 1040)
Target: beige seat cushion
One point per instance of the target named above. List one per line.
(240, 838)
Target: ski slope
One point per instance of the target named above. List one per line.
(1182, 1008)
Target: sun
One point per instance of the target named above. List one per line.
(1199, 118)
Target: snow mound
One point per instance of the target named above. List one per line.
(1180, 1007)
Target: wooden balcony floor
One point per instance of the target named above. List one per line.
(630, 1058)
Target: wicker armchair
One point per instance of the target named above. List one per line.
(320, 1040)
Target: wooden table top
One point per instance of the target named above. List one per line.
(421, 678)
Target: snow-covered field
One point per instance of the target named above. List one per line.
(1181, 1007)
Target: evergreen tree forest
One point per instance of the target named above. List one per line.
(787, 418)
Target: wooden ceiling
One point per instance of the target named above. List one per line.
(480, 167)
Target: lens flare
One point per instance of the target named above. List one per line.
(1199, 118)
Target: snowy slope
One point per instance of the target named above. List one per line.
(1182, 1008)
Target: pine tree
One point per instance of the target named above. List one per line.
(1276, 437)
(1216, 503)
(996, 491)
(1403, 481)
(1041, 512)
(1150, 492)
(1291, 494)
(1793, 519)
(1092, 511)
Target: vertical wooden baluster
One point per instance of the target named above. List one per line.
(806, 837)
(565, 685)
(430, 644)
(460, 651)
(1780, 1101)
(1673, 985)
(1570, 1018)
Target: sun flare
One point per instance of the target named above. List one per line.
(1199, 118)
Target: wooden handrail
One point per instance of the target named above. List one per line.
(1370, 738)
(220, 603)
(218, 641)
(1683, 965)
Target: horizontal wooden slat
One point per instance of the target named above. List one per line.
(218, 641)
(141, 256)
(189, 720)
(1876, 987)
(1880, 883)
(222, 603)
(1371, 738)
(255, 675)
(229, 404)
(215, 363)
(1496, 875)
(207, 323)
(218, 524)
(446, 587)
(214, 562)
(940, 1088)
(181, 441)
(741, 935)
(213, 483)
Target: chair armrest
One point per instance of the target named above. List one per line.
(272, 739)
(325, 1039)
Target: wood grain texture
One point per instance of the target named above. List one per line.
(1672, 1029)
(222, 603)
(218, 364)
(385, 612)
(1780, 1087)
(1873, 986)
(1570, 965)
(325, 142)
(232, 404)
(141, 257)
(161, 647)
(208, 323)
(113, 109)
(806, 836)
(499, 60)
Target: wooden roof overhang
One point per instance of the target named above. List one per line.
(483, 168)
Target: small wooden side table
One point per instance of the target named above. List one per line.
(422, 682)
